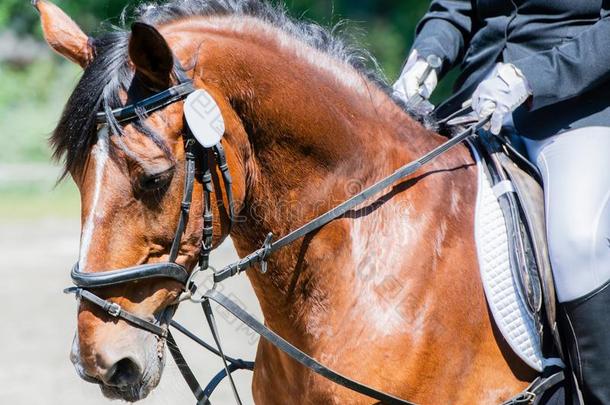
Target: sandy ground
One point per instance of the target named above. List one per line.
(38, 322)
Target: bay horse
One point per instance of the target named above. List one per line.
(389, 294)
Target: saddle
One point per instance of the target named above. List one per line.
(517, 185)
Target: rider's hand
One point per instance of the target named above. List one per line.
(411, 80)
(500, 94)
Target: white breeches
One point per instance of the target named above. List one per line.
(575, 167)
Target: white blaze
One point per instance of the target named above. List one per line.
(99, 155)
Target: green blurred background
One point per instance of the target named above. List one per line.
(34, 85)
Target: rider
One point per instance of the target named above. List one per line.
(542, 68)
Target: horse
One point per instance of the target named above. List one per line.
(388, 294)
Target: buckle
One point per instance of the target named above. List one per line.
(193, 285)
(525, 398)
(114, 309)
(265, 252)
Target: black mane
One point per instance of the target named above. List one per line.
(109, 73)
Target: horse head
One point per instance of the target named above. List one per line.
(131, 179)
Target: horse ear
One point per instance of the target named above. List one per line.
(63, 35)
(151, 55)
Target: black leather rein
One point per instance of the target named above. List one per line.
(170, 270)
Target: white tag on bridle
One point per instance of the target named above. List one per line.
(204, 118)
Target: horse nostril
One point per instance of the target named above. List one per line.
(125, 372)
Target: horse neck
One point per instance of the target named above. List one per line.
(317, 131)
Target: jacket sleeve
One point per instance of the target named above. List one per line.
(576, 66)
(445, 31)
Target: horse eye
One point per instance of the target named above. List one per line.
(153, 182)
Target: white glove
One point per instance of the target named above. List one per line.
(500, 94)
(411, 81)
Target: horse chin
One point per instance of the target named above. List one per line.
(132, 393)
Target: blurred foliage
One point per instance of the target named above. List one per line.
(31, 100)
(20, 16)
(387, 26)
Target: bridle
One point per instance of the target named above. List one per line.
(170, 270)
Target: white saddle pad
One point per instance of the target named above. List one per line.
(509, 311)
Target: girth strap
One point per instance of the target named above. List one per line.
(534, 392)
(297, 354)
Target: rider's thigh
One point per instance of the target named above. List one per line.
(575, 166)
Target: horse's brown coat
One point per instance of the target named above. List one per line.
(389, 295)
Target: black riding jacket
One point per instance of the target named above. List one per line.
(561, 46)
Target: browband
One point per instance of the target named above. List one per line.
(149, 104)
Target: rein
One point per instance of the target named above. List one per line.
(268, 248)
(84, 282)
